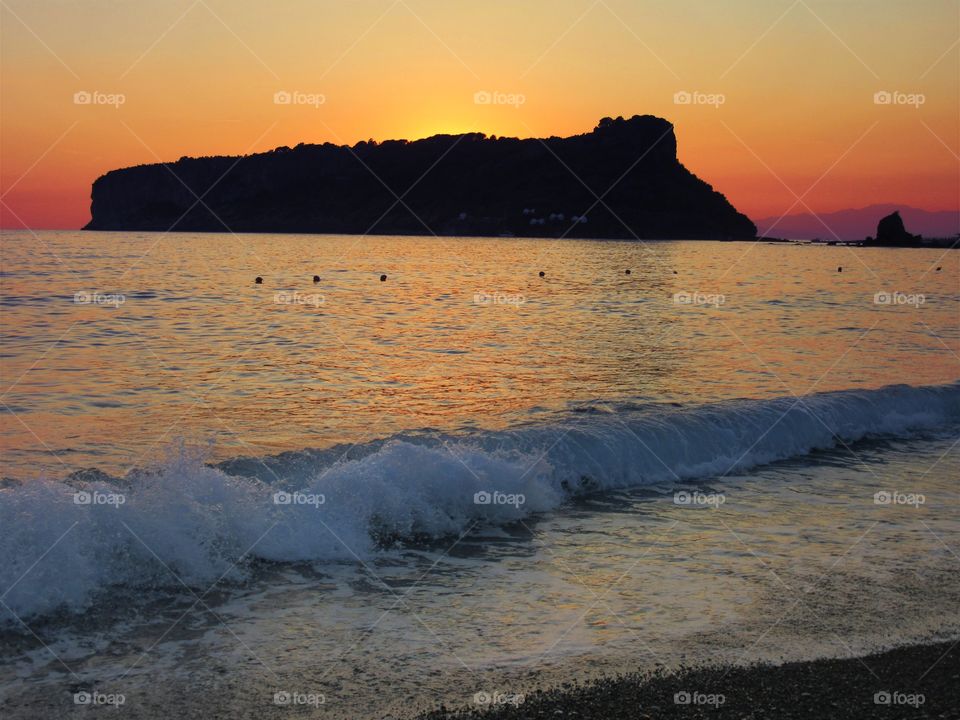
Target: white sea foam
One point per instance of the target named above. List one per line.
(188, 520)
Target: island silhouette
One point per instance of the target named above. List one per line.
(892, 233)
(853, 224)
(621, 181)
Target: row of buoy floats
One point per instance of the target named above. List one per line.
(840, 268)
(383, 278)
(316, 279)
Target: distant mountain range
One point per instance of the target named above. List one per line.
(622, 180)
(860, 223)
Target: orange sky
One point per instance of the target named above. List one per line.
(198, 77)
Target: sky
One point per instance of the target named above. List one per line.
(785, 106)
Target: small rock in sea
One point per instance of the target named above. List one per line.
(890, 231)
(839, 269)
(627, 272)
(383, 278)
(938, 268)
(259, 280)
(316, 278)
(542, 273)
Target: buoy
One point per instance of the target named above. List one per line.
(542, 273)
(628, 272)
(316, 278)
(674, 272)
(938, 268)
(259, 280)
(383, 278)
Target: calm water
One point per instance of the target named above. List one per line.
(478, 468)
(196, 350)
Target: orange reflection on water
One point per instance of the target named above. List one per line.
(464, 334)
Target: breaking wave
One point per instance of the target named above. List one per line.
(62, 541)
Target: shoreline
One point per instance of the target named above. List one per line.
(926, 244)
(913, 681)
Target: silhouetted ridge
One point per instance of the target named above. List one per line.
(449, 184)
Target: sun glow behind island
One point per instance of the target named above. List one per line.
(798, 121)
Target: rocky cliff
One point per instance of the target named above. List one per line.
(892, 233)
(447, 185)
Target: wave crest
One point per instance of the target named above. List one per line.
(62, 541)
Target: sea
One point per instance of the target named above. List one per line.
(448, 471)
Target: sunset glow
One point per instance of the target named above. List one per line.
(797, 79)
(505, 360)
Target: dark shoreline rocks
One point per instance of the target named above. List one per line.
(620, 181)
(890, 684)
(892, 233)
